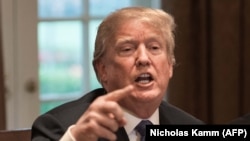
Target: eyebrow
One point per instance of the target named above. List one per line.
(128, 39)
(125, 40)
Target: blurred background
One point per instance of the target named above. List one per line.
(47, 46)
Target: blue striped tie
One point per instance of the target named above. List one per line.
(141, 128)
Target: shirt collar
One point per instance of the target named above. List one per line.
(133, 120)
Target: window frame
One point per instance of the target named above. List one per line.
(85, 19)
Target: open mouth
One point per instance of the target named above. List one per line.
(144, 78)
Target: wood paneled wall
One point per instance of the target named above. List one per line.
(212, 76)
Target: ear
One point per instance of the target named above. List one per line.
(170, 70)
(101, 72)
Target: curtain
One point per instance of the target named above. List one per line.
(212, 77)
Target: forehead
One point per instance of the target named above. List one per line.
(137, 30)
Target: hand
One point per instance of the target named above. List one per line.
(103, 117)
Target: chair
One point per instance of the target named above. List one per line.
(15, 135)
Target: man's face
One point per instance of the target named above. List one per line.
(138, 57)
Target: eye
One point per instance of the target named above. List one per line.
(155, 48)
(126, 50)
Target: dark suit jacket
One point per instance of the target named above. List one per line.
(242, 120)
(52, 125)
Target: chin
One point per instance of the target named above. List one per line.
(146, 95)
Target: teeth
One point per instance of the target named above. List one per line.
(145, 75)
(144, 81)
(144, 78)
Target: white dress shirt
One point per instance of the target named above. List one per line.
(67, 135)
(132, 121)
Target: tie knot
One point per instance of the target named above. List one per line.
(141, 127)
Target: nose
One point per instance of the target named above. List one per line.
(142, 58)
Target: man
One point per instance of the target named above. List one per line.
(133, 60)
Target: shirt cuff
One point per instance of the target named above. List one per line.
(68, 136)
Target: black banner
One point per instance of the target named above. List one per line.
(198, 132)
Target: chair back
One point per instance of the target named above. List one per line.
(15, 135)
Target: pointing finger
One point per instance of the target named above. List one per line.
(119, 94)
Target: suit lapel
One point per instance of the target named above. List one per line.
(121, 135)
(163, 113)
